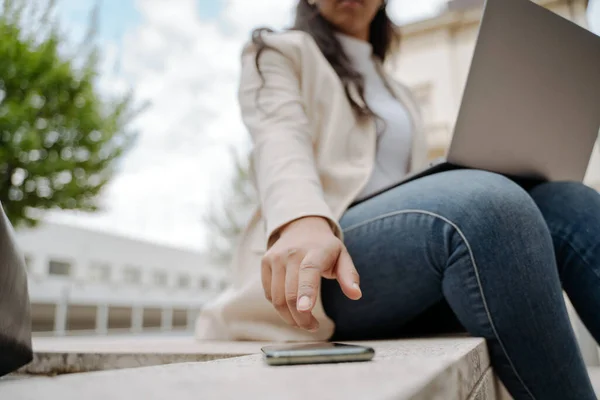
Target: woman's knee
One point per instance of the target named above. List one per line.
(491, 199)
(499, 225)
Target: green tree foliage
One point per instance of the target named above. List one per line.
(60, 139)
(228, 216)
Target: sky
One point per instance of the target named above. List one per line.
(182, 58)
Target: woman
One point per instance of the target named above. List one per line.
(457, 250)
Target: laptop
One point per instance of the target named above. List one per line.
(531, 105)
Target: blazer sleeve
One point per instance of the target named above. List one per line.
(283, 159)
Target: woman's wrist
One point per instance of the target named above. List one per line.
(311, 222)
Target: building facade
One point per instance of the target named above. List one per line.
(434, 61)
(83, 281)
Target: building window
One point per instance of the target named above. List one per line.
(160, 279)
(183, 281)
(99, 272)
(132, 275)
(204, 283)
(59, 268)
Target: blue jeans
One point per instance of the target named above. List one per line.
(473, 250)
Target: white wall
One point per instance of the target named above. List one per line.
(82, 248)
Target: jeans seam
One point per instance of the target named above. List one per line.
(475, 269)
(359, 225)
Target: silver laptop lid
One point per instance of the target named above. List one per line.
(531, 105)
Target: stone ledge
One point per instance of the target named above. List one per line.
(51, 364)
(108, 344)
(449, 369)
(56, 356)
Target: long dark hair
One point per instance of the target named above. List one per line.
(383, 36)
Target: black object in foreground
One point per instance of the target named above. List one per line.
(317, 353)
(15, 315)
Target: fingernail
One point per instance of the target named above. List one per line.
(304, 303)
(314, 329)
(357, 287)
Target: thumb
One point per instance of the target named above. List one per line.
(347, 276)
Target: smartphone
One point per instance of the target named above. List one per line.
(318, 353)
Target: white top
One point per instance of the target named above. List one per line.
(394, 126)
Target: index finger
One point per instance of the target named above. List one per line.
(309, 278)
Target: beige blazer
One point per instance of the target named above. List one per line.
(311, 157)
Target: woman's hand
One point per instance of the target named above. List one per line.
(306, 251)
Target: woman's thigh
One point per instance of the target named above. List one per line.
(403, 240)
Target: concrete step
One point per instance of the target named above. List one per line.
(65, 355)
(427, 369)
